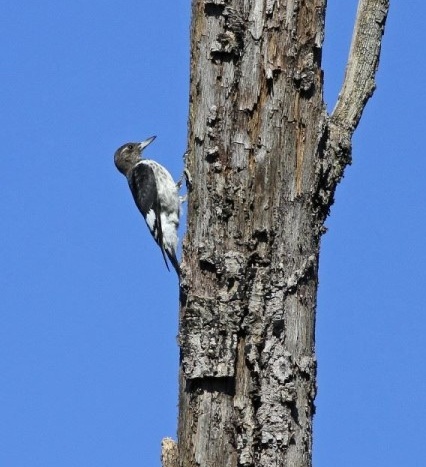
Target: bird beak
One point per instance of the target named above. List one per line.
(145, 143)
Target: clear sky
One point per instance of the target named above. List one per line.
(88, 312)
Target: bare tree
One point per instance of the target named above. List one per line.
(265, 159)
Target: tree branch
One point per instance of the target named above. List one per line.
(359, 83)
(358, 87)
(169, 453)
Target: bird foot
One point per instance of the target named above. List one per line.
(188, 179)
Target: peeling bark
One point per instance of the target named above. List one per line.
(265, 160)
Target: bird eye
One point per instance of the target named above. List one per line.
(130, 146)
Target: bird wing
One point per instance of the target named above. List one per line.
(144, 190)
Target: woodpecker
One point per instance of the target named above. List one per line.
(155, 194)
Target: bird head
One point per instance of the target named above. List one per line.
(129, 154)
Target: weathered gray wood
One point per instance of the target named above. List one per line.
(265, 159)
(169, 453)
(359, 83)
(358, 87)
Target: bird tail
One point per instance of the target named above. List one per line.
(172, 257)
(165, 258)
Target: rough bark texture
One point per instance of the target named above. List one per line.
(265, 159)
(169, 453)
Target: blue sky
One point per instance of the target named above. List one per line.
(88, 320)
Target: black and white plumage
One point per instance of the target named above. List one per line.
(155, 194)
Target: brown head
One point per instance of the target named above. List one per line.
(128, 155)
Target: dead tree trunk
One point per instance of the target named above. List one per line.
(265, 159)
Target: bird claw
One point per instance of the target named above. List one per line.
(188, 179)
